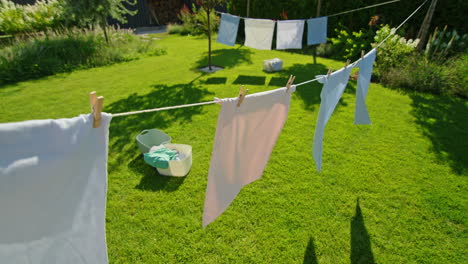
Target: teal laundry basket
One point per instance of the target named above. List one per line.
(151, 137)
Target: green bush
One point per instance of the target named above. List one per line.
(455, 72)
(443, 44)
(21, 19)
(188, 21)
(349, 45)
(417, 72)
(12, 18)
(202, 22)
(393, 51)
(54, 53)
(177, 29)
(399, 65)
(195, 21)
(324, 50)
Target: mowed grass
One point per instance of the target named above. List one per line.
(391, 192)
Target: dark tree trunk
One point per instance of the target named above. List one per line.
(422, 34)
(104, 27)
(319, 6)
(209, 38)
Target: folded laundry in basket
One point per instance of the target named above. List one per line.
(159, 157)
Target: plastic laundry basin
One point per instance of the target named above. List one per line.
(151, 137)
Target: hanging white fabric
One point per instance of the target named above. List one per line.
(259, 33)
(333, 88)
(228, 29)
(289, 34)
(53, 183)
(245, 137)
(361, 116)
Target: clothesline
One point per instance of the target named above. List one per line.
(341, 13)
(399, 26)
(162, 109)
(299, 84)
(362, 8)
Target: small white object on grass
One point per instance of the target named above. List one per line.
(273, 65)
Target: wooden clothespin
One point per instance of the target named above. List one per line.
(242, 93)
(347, 63)
(329, 72)
(362, 54)
(96, 107)
(290, 82)
(92, 100)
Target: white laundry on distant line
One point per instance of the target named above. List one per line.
(259, 33)
(289, 34)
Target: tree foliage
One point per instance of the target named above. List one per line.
(92, 12)
(20, 19)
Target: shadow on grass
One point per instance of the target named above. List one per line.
(152, 180)
(278, 81)
(226, 58)
(123, 130)
(253, 80)
(309, 93)
(361, 250)
(216, 80)
(309, 256)
(444, 120)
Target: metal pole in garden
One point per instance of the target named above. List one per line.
(319, 6)
(208, 11)
(248, 8)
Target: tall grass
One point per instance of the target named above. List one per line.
(51, 53)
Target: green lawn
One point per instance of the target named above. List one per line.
(391, 192)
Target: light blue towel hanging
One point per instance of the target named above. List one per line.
(228, 29)
(361, 116)
(333, 88)
(317, 30)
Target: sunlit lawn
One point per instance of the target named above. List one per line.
(391, 192)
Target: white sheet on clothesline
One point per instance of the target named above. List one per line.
(53, 183)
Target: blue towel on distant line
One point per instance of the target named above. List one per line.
(228, 29)
(317, 30)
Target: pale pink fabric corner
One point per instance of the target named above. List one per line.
(245, 137)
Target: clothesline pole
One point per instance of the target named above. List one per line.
(248, 8)
(319, 6)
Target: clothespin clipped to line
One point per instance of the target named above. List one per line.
(329, 72)
(96, 108)
(242, 93)
(347, 63)
(362, 57)
(290, 82)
